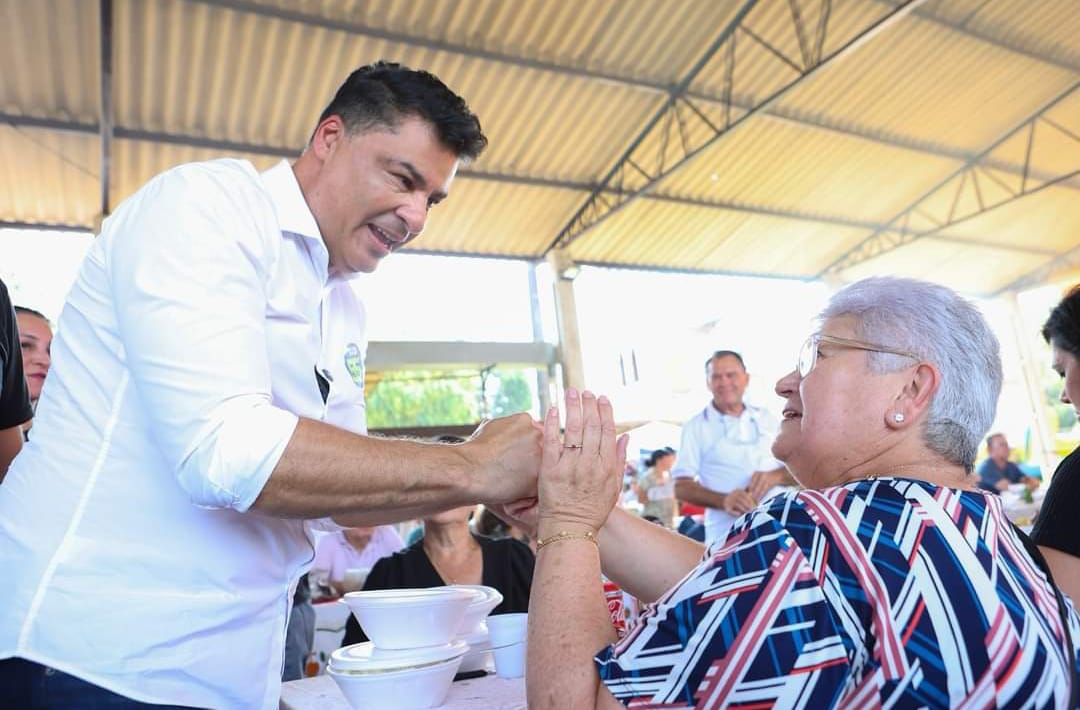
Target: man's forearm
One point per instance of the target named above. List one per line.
(329, 472)
(690, 491)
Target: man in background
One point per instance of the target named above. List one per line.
(997, 472)
(725, 461)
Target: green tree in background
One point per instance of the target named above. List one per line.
(420, 398)
(513, 395)
(413, 398)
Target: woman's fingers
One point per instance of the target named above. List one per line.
(572, 436)
(590, 414)
(552, 441)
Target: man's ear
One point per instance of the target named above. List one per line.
(916, 396)
(327, 134)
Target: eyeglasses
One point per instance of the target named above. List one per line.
(809, 351)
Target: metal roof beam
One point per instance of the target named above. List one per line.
(124, 133)
(46, 226)
(896, 232)
(990, 39)
(1067, 260)
(598, 208)
(353, 28)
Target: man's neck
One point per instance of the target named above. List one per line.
(730, 410)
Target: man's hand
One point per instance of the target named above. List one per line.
(522, 514)
(761, 482)
(506, 455)
(739, 502)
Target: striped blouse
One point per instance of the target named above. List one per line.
(879, 593)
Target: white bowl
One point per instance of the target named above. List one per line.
(484, 600)
(409, 618)
(479, 656)
(396, 679)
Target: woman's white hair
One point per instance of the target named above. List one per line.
(939, 326)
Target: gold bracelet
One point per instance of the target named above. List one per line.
(566, 535)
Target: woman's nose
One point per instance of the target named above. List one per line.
(787, 384)
(1065, 396)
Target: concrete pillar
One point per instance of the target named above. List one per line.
(573, 369)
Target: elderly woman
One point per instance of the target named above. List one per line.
(889, 581)
(1056, 531)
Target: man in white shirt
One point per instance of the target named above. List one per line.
(725, 463)
(205, 412)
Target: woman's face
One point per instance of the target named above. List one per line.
(834, 418)
(35, 341)
(1066, 365)
(665, 462)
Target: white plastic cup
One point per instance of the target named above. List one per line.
(507, 633)
(510, 660)
(507, 629)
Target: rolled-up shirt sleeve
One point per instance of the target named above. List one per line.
(188, 269)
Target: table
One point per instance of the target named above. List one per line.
(321, 693)
(1017, 509)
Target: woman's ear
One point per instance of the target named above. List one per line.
(915, 398)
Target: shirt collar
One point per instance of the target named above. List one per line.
(294, 215)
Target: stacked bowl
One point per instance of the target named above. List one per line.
(418, 643)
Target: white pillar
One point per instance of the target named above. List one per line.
(573, 368)
(1030, 366)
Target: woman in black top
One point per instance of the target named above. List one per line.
(1056, 532)
(450, 553)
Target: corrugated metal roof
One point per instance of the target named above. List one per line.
(803, 184)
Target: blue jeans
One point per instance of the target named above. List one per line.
(32, 686)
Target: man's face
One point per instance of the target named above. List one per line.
(999, 449)
(727, 380)
(371, 191)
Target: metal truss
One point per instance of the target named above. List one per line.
(106, 97)
(1068, 260)
(667, 143)
(944, 213)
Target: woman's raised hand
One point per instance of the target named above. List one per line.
(580, 473)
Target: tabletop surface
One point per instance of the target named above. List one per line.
(321, 693)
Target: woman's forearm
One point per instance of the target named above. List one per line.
(568, 625)
(645, 559)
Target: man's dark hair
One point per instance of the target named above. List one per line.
(725, 353)
(1062, 328)
(31, 312)
(384, 93)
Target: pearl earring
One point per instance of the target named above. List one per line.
(898, 417)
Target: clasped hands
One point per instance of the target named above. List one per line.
(580, 474)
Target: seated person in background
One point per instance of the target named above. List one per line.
(1056, 530)
(352, 548)
(890, 580)
(35, 341)
(656, 488)
(449, 553)
(997, 472)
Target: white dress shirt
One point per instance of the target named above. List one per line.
(722, 452)
(185, 353)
